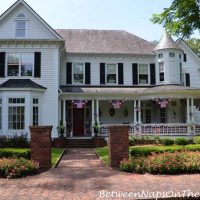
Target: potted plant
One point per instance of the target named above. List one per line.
(61, 129)
(96, 128)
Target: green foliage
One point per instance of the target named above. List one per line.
(16, 168)
(165, 163)
(16, 141)
(102, 152)
(196, 140)
(167, 141)
(15, 153)
(55, 154)
(181, 18)
(144, 151)
(131, 140)
(194, 44)
(181, 141)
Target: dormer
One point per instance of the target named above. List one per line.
(21, 26)
(169, 61)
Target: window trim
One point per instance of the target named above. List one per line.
(74, 83)
(172, 53)
(16, 105)
(22, 19)
(148, 67)
(1, 112)
(161, 71)
(38, 106)
(20, 54)
(116, 67)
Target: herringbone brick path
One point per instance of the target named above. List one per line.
(80, 176)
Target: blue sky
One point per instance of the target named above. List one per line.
(130, 15)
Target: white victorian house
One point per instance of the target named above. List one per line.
(80, 77)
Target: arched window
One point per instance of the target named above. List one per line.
(21, 26)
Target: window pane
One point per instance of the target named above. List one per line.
(13, 59)
(171, 54)
(20, 25)
(161, 67)
(20, 33)
(143, 79)
(143, 69)
(78, 68)
(78, 71)
(111, 78)
(111, 68)
(13, 70)
(162, 76)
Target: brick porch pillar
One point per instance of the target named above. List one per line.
(118, 145)
(41, 145)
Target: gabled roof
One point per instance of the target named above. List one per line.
(104, 42)
(166, 42)
(21, 83)
(11, 8)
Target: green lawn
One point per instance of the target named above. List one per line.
(55, 154)
(103, 151)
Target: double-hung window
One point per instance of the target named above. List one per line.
(35, 111)
(20, 64)
(0, 113)
(111, 73)
(16, 113)
(161, 72)
(143, 74)
(78, 74)
(21, 26)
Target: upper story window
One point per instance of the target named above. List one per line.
(35, 111)
(143, 74)
(180, 56)
(20, 64)
(161, 72)
(181, 73)
(160, 55)
(78, 73)
(171, 54)
(184, 57)
(21, 26)
(111, 73)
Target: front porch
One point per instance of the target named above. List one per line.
(164, 113)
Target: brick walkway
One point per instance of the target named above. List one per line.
(80, 175)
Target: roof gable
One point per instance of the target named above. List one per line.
(38, 28)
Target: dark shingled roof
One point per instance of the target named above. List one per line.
(21, 83)
(104, 42)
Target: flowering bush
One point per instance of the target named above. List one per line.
(165, 163)
(16, 168)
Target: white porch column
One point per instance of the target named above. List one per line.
(97, 110)
(139, 112)
(188, 110)
(192, 109)
(134, 110)
(92, 117)
(64, 112)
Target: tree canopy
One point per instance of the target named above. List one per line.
(181, 19)
(194, 44)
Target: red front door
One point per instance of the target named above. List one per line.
(78, 121)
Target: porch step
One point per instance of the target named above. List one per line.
(79, 143)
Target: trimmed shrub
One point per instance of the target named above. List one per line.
(127, 166)
(15, 141)
(167, 141)
(181, 141)
(15, 153)
(16, 168)
(148, 150)
(196, 140)
(165, 163)
(131, 140)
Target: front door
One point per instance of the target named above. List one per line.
(78, 121)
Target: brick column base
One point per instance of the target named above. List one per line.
(41, 145)
(118, 145)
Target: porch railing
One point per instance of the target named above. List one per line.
(157, 129)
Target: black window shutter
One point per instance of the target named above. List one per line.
(102, 73)
(120, 73)
(87, 73)
(2, 64)
(69, 72)
(37, 65)
(187, 80)
(152, 74)
(135, 73)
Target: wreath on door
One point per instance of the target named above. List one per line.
(112, 112)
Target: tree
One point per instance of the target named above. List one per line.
(194, 44)
(181, 18)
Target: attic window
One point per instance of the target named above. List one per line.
(21, 26)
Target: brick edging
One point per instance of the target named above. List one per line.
(59, 159)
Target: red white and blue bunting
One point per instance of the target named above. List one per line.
(79, 103)
(116, 104)
(163, 102)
